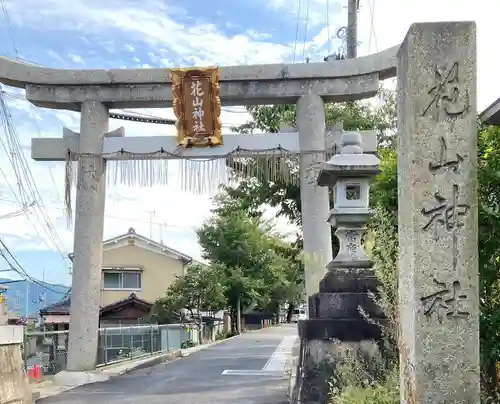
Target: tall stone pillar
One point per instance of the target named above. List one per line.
(89, 226)
(438, 214)
(314, 200)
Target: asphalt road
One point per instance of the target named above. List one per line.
(256, 358)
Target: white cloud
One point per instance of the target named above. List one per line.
(315, 12)
(390, 31)
(54, 55)
(76, 58)
(155, 24)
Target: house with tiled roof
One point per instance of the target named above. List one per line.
(136, 271)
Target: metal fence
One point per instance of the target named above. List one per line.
(120, 343)
(48, 349)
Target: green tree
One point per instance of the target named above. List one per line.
(200, 289)
(385, 243)
(489, 249)
(286, 196)
(233, 240)
(291, 292)
(259, 268)
(254, 194)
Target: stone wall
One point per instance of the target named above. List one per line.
(14, 387)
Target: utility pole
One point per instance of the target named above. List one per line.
(27, 301)
(352, 29)
(18, 302)
(41, 298)
(162, 225)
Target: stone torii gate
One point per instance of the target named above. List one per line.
(437, 183)
(94, 92)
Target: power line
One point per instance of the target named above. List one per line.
(28, 190)
(305, 29)
(296, 32)
(9, 26)
(39, 132)
(328, 25)
(116, 217)
(19, 164)
(13, 262)
(373, 33)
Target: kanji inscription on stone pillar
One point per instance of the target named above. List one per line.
(438, 214)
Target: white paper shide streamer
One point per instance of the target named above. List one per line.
(195, 175)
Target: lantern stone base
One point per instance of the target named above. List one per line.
(320, 360)
(348, 280)
(350, 305)
(344, 322)
(343, 329)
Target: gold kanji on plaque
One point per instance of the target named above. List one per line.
(196, 104)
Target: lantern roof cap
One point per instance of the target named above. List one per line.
(350, 162)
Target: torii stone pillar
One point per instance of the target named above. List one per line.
(314, 200)
(89, 228)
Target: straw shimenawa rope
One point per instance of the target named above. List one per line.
(194, 174)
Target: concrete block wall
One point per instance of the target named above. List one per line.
(14, 386)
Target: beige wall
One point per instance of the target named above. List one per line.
(159, 272)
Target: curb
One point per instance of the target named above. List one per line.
(292, 366)
(153, 361)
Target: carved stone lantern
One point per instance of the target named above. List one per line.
(350, 174)
(337, 314)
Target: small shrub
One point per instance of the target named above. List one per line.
(366, 390)
(358, 365)
(223, 335)
(187, 344)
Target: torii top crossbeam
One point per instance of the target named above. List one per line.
(341, 80)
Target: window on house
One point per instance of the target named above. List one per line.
(352, 192)
(122, 280)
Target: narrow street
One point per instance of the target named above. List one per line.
(246, 370)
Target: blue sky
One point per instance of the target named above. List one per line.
(129, 33)
(172, 33)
